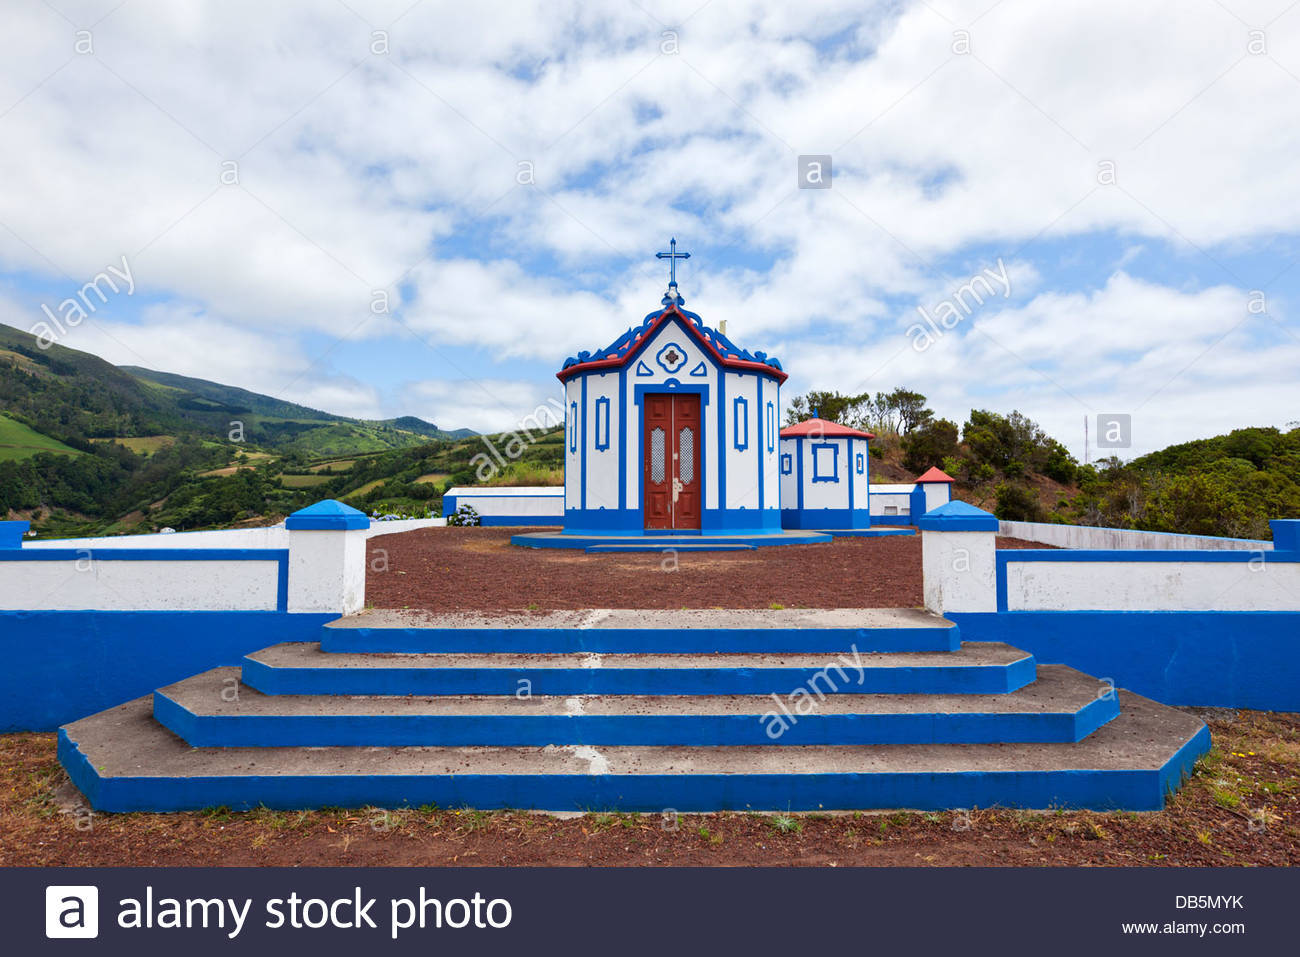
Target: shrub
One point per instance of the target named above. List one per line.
(465, 515)
(1017, 503)
(929, 445)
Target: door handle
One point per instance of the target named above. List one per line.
(677, 488)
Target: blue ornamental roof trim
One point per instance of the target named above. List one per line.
(627, 344)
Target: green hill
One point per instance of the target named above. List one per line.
(18, 441)
(87, 447)
(286, 426)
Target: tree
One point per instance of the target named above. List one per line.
(894, 413)
(1060, 466)
(899, 412)
(1012, 444)
(830, 406)
(910, 408)
(929, 445)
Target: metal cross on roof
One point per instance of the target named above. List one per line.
(672, 256)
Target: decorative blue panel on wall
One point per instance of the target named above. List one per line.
(740, 423)
(602, 424)
(826, 462)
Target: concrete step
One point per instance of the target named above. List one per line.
(643, 630)
(214, 710)
(303, 668)
(123, 760)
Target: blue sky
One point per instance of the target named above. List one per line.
(503, 175)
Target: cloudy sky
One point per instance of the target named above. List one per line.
(385, 208)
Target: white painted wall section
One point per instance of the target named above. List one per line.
(272, 536)
(525, 501)
(891, 502)
(1254, 585)
(959, 570)
(88, 583)
(1085, 536)
(327, 571)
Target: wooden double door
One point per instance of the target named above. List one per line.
(672, 445)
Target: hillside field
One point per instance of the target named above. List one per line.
(18, 441)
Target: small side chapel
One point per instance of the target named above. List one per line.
(672, 428)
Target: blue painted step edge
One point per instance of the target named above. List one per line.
(633, 640)
(607, 549)
(320, 731)
(977, 679)
(1143, 790)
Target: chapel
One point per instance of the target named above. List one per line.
(672, 428)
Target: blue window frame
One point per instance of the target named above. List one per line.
(787, 463)
(573, 426)
(740, 423)
(861, 465)
(771, 427)
(826, 462)
(602, 424)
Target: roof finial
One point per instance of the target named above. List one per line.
(672, 296)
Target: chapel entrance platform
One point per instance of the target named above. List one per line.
(655, 541)
(477, 569)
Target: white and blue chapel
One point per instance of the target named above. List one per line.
(672, 429)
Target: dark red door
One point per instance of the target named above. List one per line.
(672, 478)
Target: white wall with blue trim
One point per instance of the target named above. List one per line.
(825, 482)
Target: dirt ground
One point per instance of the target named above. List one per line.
(477, 569)
(1240, 808)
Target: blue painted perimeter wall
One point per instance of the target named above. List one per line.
(58, 666)
(1229, 659)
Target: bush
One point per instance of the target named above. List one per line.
(465, 515)
(1017, 503)
(1060, 465)
(929, 445)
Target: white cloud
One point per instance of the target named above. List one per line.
(484, 405)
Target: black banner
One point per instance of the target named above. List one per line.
(193, 911)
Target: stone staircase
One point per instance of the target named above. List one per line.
(637, 711)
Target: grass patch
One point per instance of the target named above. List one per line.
(143, 444)
(17, 441)
(521, 474)
(342, 465)
(303, 481)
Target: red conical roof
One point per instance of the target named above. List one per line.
(933, 474)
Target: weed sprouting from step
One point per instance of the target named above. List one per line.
(786, 824)
(275, 820)
(704, 832)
